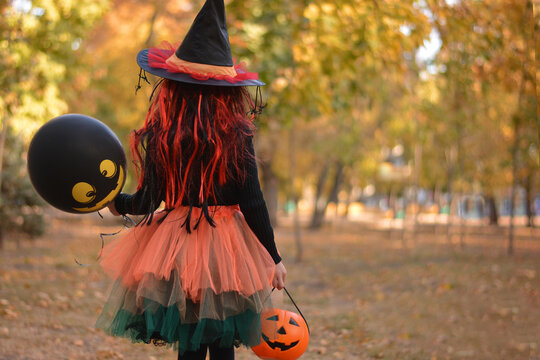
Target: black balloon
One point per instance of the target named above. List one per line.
(76, 163)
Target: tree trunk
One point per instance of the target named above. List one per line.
(297, 234)
(437, 201)
(392, 205)
(493, 213)
(402, 232)
(317, 220)
(318, 213)
(348, 203)
(461, 207)
(2, 145)
(296, 220)
(528, 32)
(451, 159)
(417, 168)
(529, 203)
(151, 31)
(338, 179)
(510, 249)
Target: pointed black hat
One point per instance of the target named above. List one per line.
(207, 41)
(204, 57)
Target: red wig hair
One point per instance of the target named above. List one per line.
(193, 135)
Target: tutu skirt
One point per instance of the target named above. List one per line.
(188, 288)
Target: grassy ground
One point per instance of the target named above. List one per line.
(367, 295)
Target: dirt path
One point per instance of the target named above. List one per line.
(365, 296)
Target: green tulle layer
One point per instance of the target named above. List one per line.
(163, 325)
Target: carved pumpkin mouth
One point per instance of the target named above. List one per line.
(279, 345)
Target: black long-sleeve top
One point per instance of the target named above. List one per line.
(247, 195)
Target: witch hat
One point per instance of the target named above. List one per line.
(204, 57)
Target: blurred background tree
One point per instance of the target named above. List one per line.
(38, 47)
(20, 207)
(487, 55)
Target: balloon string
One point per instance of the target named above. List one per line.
(102, 236)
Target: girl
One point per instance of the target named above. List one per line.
(198, 273)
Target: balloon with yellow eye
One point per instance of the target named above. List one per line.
(76, 163)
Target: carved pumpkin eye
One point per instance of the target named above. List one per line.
(273, 318)
(293, 322)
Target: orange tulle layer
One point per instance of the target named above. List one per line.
(225, 258)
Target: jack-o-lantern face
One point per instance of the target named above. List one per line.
(76, 163)
(284, 335)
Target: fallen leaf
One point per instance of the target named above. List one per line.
(4, 331)
(61, 298)
(43, 296)
(9, 314)
(528, 273)
(524, 347)
(465, 353)
(108, 355)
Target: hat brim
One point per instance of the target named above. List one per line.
(142, 60)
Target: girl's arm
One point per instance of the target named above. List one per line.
(145, 201)
(253, 207)
(139, 203)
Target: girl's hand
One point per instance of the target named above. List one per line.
(112, 209)
(279, 276)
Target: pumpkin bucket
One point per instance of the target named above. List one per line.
(285, 334)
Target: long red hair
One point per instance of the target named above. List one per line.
(189, 126)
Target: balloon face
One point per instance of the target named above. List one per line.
(76, 163)
(105, 188)
(284, 335)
